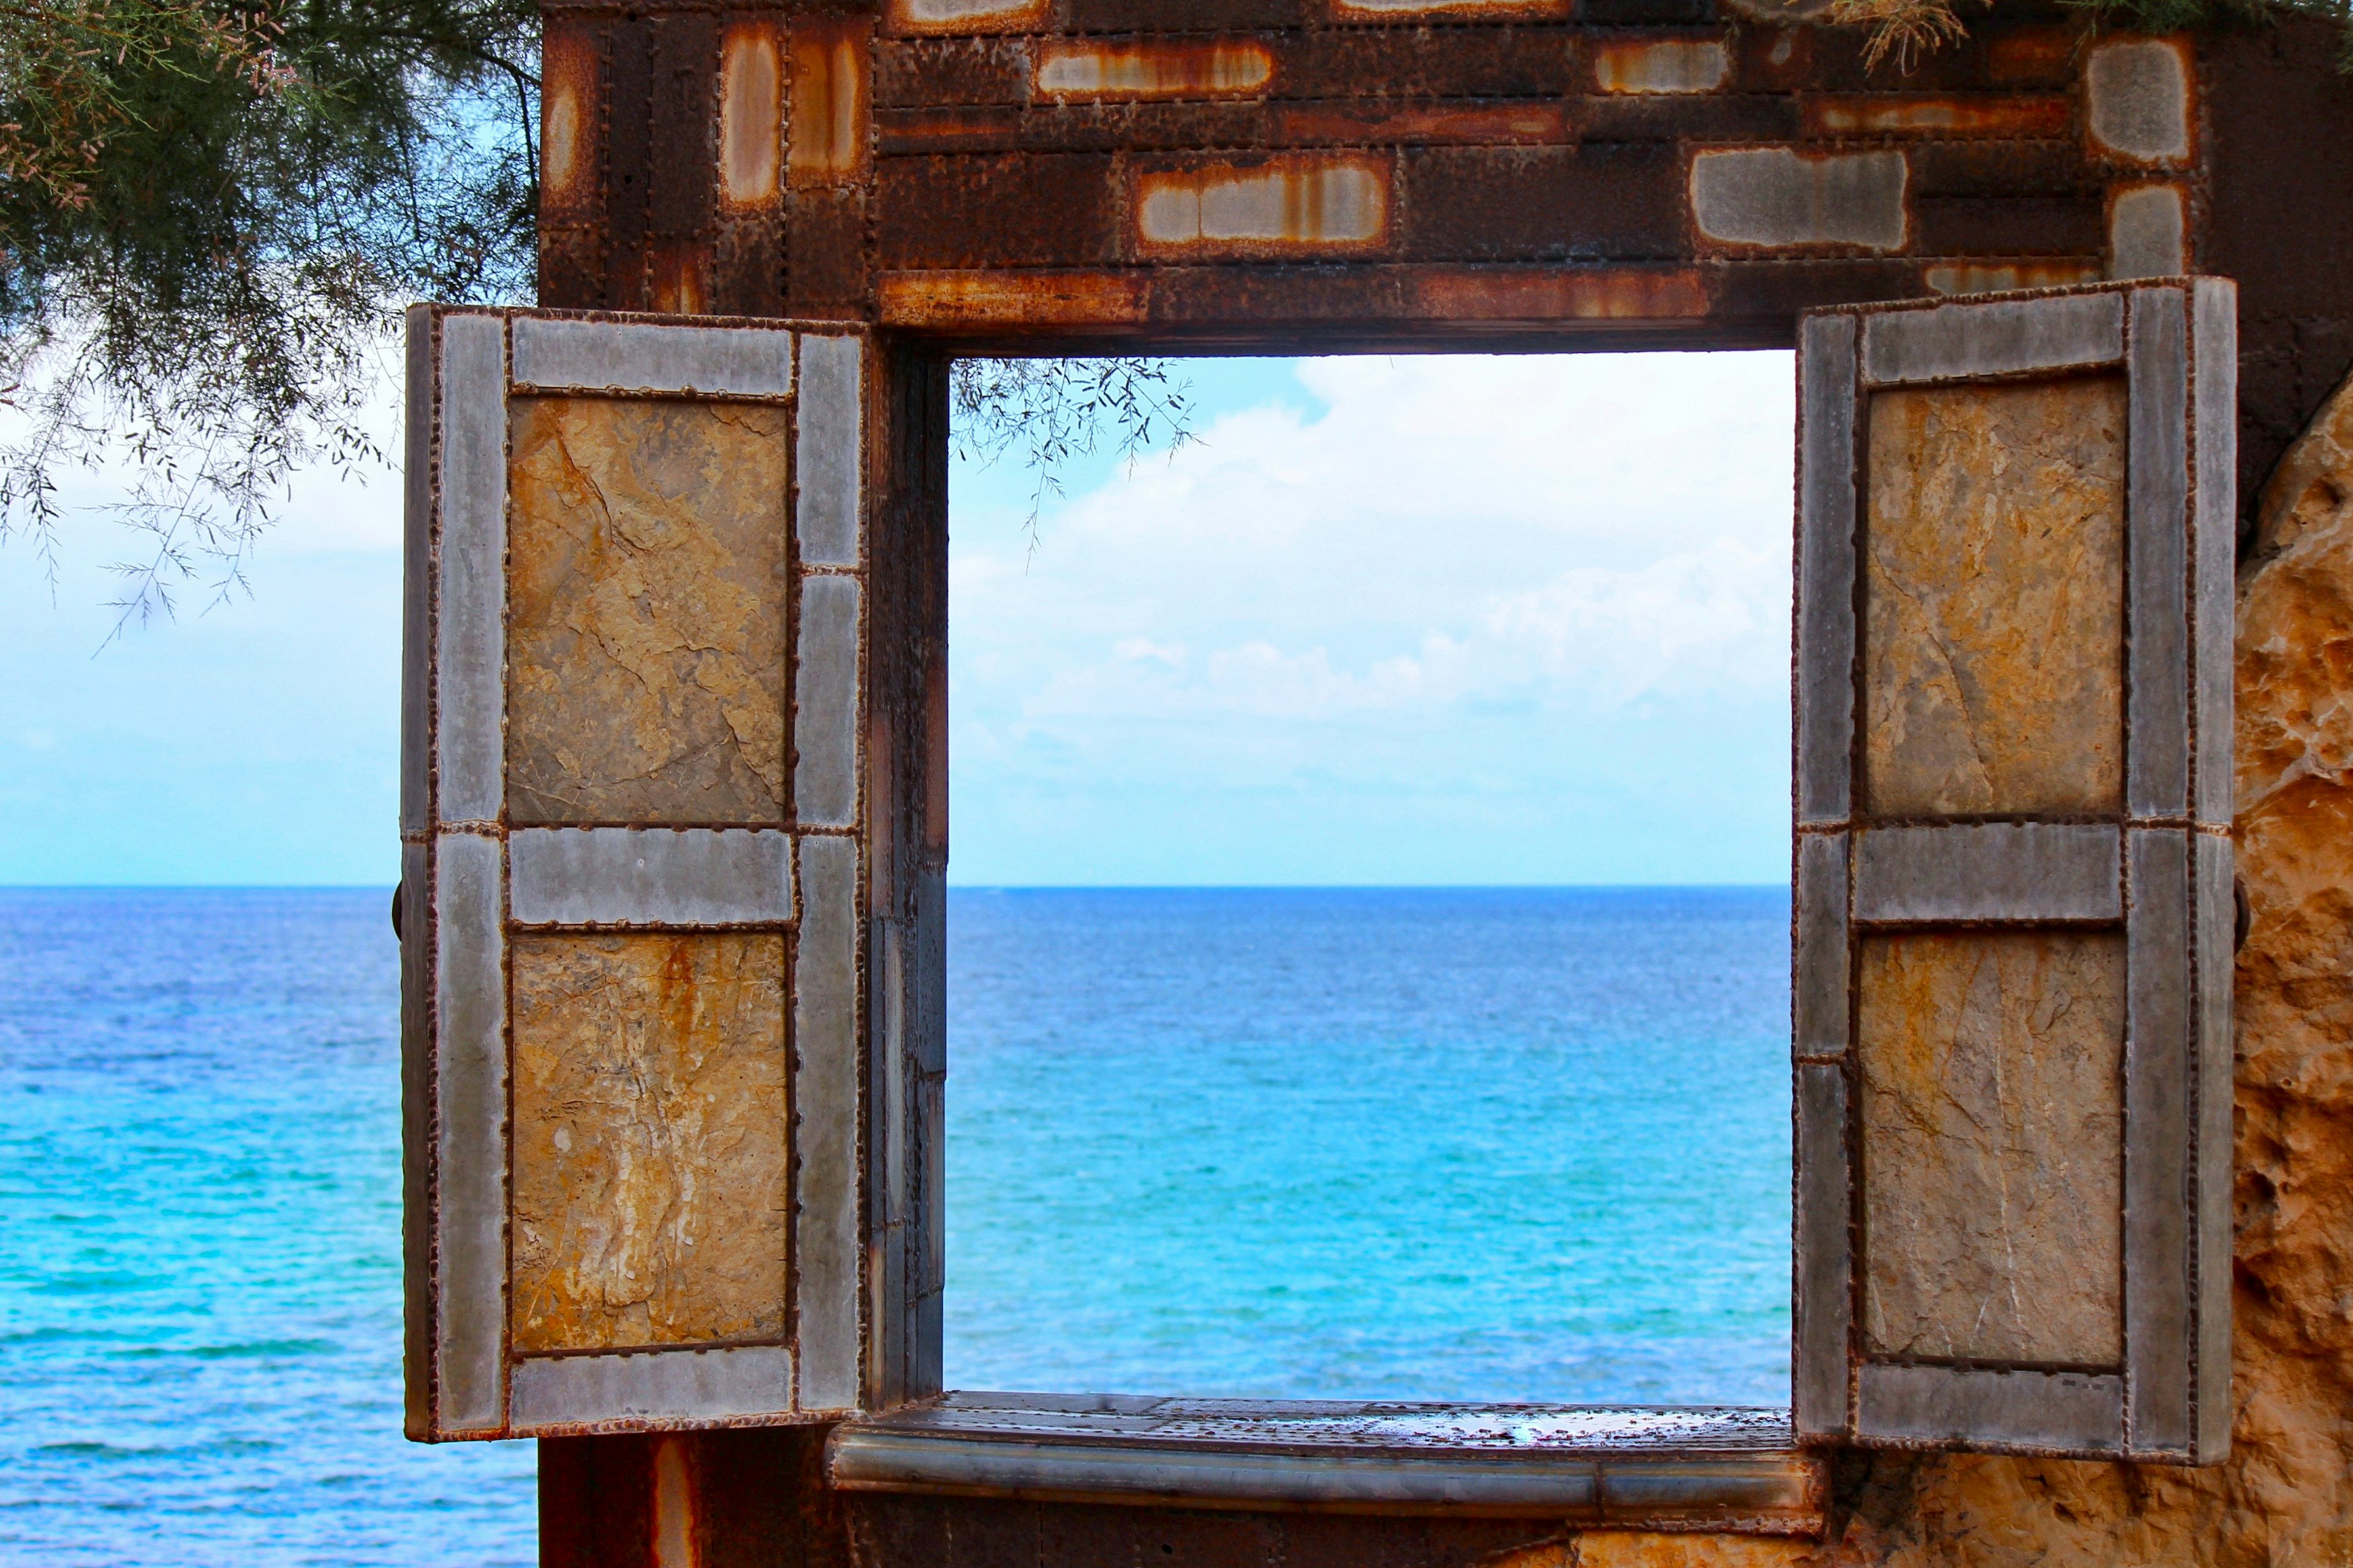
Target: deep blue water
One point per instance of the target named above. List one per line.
(1492, 1144)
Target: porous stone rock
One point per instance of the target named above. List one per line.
(651, 1143)
(646, 594)
(1993, 607)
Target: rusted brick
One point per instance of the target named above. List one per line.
(1709, 117)
(570, 268)
(751, 114)
(628, 52)
(1506, 61)
(1556, 293)
(1991, 277)
(965, 16)
(677, 278)
(1144, 127)
(1294, 204)
(1922, 114)
(685, 79)
(994, 129)
(1992, 226)
(1087, 68)
(1767, 198)
(2000, 169)
(1645, 13)
(747, 266)
(826, 142)
(1449, 10)
(824, 251)
(1773, 58)
(972, 300)
(2029, 55)
(2139, 104)
(1196, 16)
(571, 125)
(1008, 211)
(1662, 66)
(2148, 227)
(912, 73)
(1507, 124)
(1594, 202)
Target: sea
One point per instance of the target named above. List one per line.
(1476, 1143)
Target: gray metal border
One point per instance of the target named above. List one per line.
(2157, 1064)
(470, 601)
(1818, 1000)
(638, 1389)
(1826, 569)
(2211, 1196)
(829, 451)
(1975, 340)
(1823, 1306)
(826, 1236)
(2156, 747)
(1988, 872)
(826, 691)
(565, 355)
(418, 1300)
(2214, 343)
(417, 577)
(2012, 1411)
(668, 876)
(471, 1135)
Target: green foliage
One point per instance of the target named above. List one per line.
(210, 208)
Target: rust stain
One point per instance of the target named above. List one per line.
(1962, 278)
(1673, 65)
(751, 114)
(568, 123)
(674, 276)
(1601, 294)
(1906, 114)
(986, 298)
(1282, 205)
(967, 15)
(1517, 124)
(674, 1531)
(2032, 56)
(1084, 70)
(827, 144)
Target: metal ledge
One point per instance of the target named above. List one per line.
(1716, 1468)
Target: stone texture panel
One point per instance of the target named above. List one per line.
(1992, 1145)
(1997, 685)
(650, 1196)
(646, 676)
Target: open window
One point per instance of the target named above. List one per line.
(673, 949)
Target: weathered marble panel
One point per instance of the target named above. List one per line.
(1992, 1144)
(1993, 613)
(646, 651)
(650, 1140)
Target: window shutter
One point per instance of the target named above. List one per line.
(2013, 930)
(632, 840)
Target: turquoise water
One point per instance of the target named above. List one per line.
(1487, 1144)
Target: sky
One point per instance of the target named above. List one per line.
(1390, 620)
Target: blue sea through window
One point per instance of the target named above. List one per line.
(1369, 927)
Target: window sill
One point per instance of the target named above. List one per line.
(1717, 1468)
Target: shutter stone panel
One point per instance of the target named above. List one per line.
(2013, 917)
(632, 858)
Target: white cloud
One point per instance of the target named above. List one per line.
(1450, 580)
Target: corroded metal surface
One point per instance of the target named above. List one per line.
(649, 1140)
